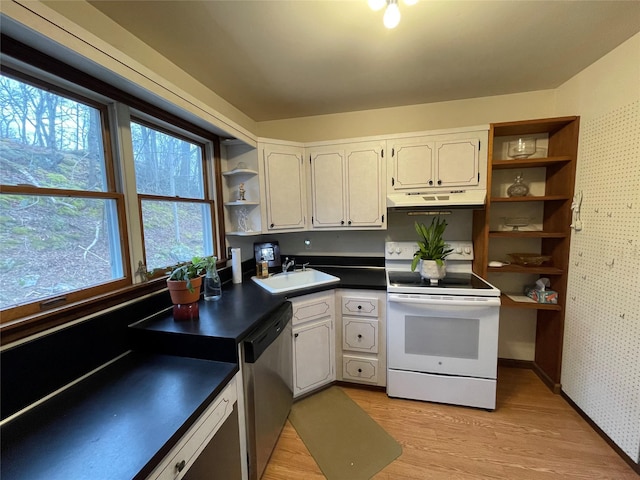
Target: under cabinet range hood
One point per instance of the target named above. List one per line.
(449, 199)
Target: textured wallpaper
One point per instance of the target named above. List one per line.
(601, 360)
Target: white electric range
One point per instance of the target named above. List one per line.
(442, 338)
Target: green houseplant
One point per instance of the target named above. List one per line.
(432, 250)
(185, 280)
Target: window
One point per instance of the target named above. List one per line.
(173, 194)
(75, 218)
(61, 219)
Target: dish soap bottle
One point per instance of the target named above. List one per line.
(518, 188)
(212, 283)
(262, 268)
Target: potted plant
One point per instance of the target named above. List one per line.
(185, 280)
(432, 250)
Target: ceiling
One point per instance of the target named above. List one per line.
(275, 59)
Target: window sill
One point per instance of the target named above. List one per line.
(20, 328)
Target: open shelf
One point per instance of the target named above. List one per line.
(239, 203)
(508, 302)
(531, 198)
(551, 179)
(239, 171)
(243, 234)
(526, 234)
(541, 270)
(529, 162)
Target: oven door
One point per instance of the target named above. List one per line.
(443, 334)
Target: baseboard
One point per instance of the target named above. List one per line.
(553, 386)
(361, 386)
(635, 466)
(514, 363)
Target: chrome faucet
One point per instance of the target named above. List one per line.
(287, 264)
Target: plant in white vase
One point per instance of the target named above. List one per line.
(432, 250)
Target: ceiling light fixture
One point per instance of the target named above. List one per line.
(391, 17)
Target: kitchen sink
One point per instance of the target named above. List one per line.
(288, 281)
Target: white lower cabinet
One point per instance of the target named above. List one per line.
(313, 341)
(360, 324)
(177, 462)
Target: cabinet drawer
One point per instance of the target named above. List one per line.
(360, 369)
(366, 307)
(360, 334)
(313, 308)
(181, 457)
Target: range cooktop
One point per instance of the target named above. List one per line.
(451, 280)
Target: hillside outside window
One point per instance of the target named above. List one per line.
(60, 214)
(177, 214)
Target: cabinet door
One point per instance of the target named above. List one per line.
(284, 188)
(327, 187)
(412, 160)
(313, 356)
(365, 186)
(457, 163)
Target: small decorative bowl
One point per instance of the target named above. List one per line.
(529, 259)
(522, 147)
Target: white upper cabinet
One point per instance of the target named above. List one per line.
(283, 173)
(347, 185)
(424, 163)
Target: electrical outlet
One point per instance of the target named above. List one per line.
(307, 244)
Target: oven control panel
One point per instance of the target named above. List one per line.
(462, 250)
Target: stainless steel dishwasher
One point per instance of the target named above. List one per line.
(268, 386)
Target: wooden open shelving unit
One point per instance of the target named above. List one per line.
(554, 238)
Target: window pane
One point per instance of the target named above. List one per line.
(52, 245)
(166, 165)
(175, 231)
(49, 141)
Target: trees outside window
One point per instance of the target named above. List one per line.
(60, 216)
(171, 183)
(64, 216)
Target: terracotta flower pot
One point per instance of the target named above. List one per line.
(180, 294)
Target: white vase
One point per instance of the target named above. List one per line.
(430, 270)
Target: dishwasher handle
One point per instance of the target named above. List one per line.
(267, 333)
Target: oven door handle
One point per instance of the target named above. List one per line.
(444, 300)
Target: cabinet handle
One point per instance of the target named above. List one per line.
(359, 370)
(341, 222)
(439, 182)
(430, 182)
(349, 222)
(271, 226)
(180, 466)
(359, 336)
(295, 335)
(359, 307)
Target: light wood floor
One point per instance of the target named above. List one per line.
(533, 434)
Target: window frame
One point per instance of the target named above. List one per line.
(29, 62)
(212, 196)
(15, 312)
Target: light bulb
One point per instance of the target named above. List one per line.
(410, 2)
(391, 17)
(376, 5)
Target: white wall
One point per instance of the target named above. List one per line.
(432, 116)
(601, 359)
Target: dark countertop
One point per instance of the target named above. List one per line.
(121, 421)
(118, 423)
(224, 323)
